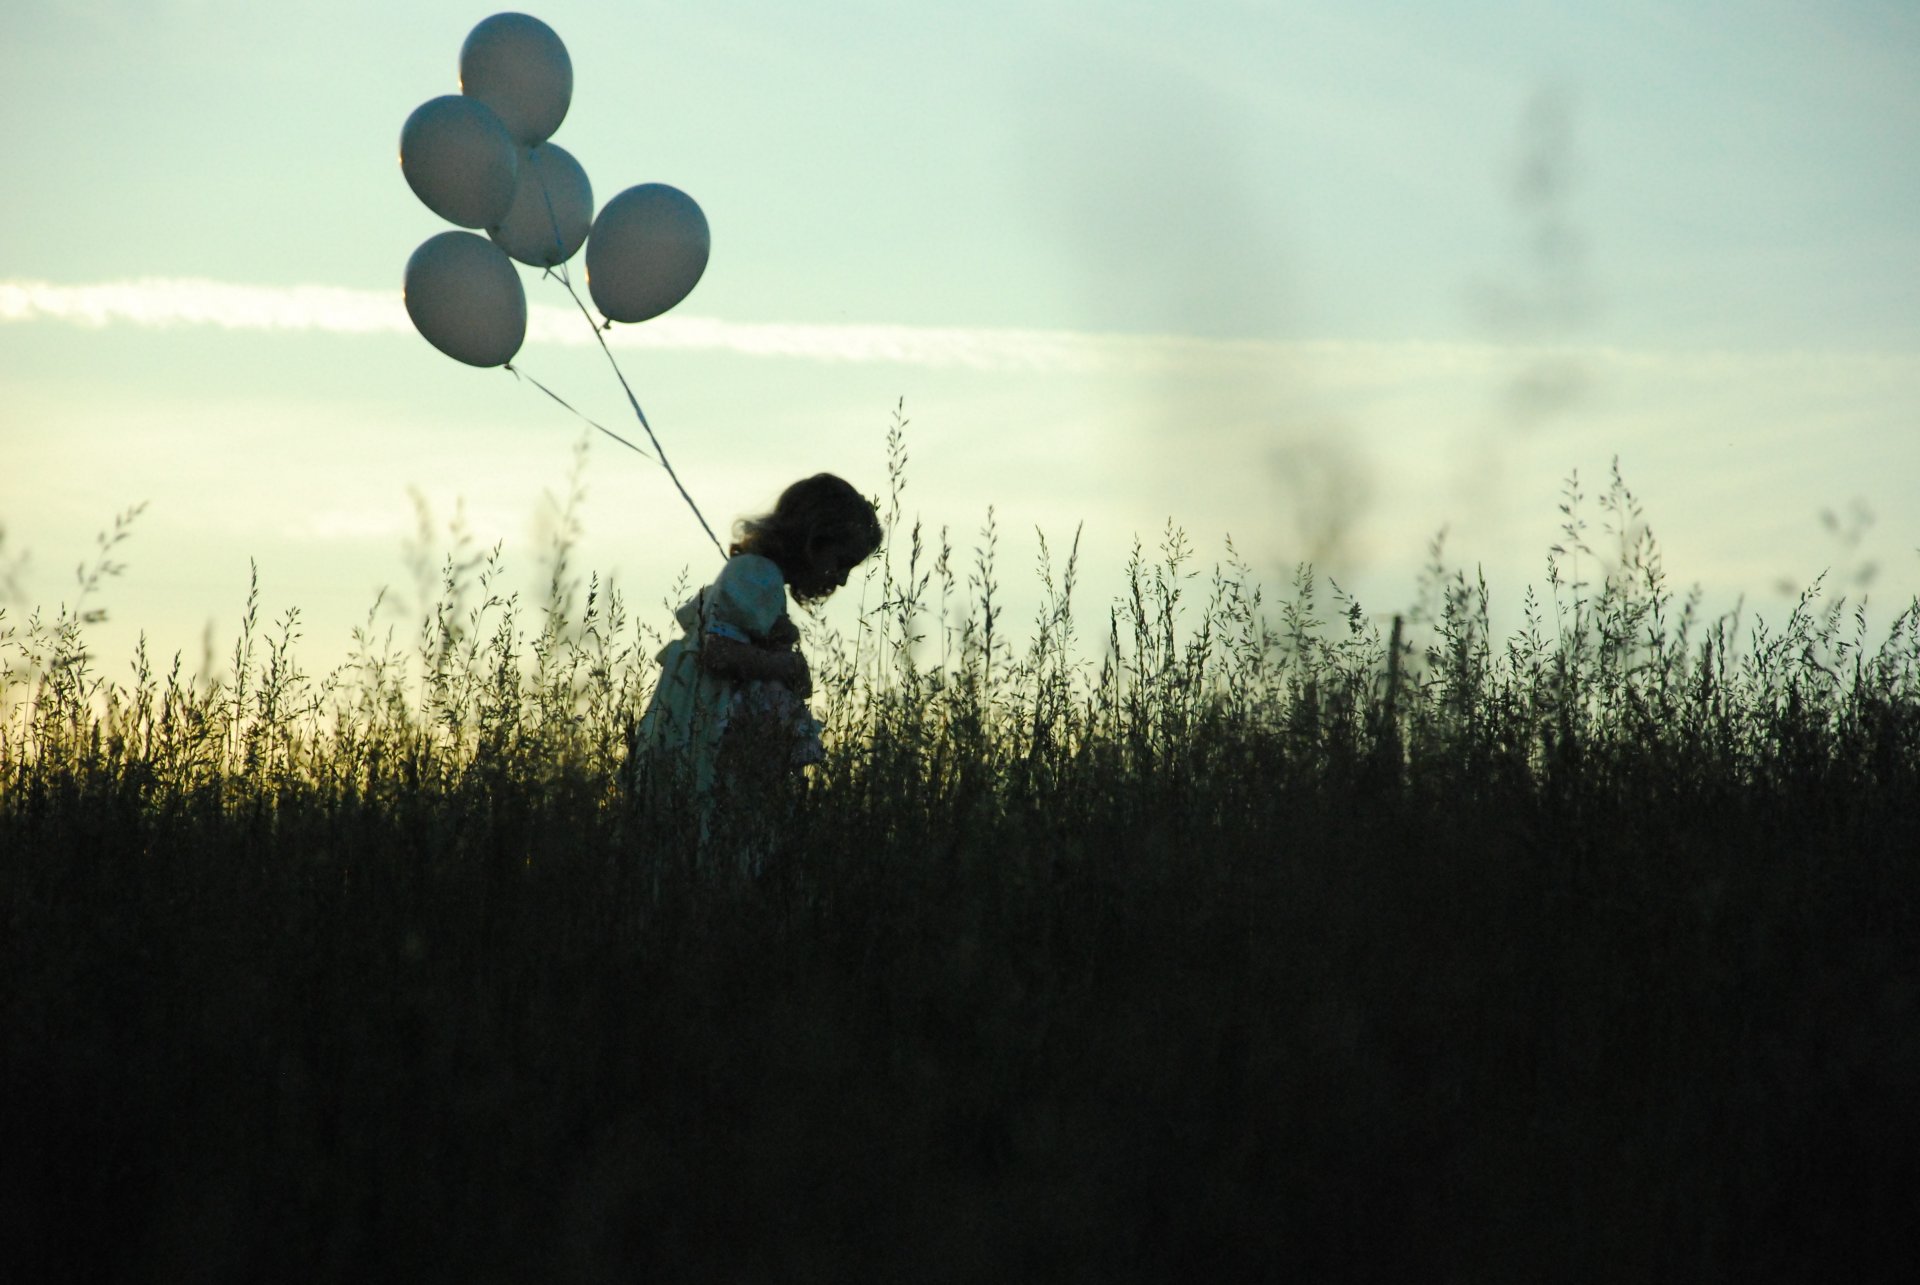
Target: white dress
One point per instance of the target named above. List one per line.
(692, 707)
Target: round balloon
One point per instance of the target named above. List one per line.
(466, 299)
(459, 160)
(551, 211)
(516, 65)
(646, 252)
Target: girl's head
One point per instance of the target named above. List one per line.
(819, 530)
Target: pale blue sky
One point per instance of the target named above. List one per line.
(1712, 274)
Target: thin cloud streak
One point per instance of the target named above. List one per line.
(161, 302)
(164, 302)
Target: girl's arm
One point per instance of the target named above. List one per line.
(783, 634)
(744, 662)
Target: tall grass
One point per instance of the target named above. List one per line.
(1194, 932)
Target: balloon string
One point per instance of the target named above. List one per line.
(517, 373)
(600, 337)
(553, 222)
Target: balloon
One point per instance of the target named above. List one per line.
(517, 66)
(459, 160)
(465, 297)
(551, 211)
(646, 252)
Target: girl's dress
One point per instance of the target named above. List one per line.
(692, 708)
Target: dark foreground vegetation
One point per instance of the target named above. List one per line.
(1261, 946)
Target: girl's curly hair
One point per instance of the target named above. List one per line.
(810, 515)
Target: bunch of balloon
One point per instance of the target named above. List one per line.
(483, 159)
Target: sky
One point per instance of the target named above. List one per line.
(1326, 279)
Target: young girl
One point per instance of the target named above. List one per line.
(730, 709)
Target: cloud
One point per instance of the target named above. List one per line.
(166, 302)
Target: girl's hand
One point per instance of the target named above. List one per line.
(801, 683)
(746, 663)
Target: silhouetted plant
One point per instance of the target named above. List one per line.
(1241, 939)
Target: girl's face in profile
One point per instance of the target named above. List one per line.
(827, 569)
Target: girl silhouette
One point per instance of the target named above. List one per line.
(729, 718)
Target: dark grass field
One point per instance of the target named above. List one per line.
(1259, 947)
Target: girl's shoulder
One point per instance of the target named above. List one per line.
(751, 569)
(749, 592)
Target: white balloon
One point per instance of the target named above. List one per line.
(646, 252)
(459, 160)
(465, 297)
(551, 211)
(516, 65)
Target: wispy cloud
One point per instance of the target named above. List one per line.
(165, 302)
(162, 302)
(185, 302)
